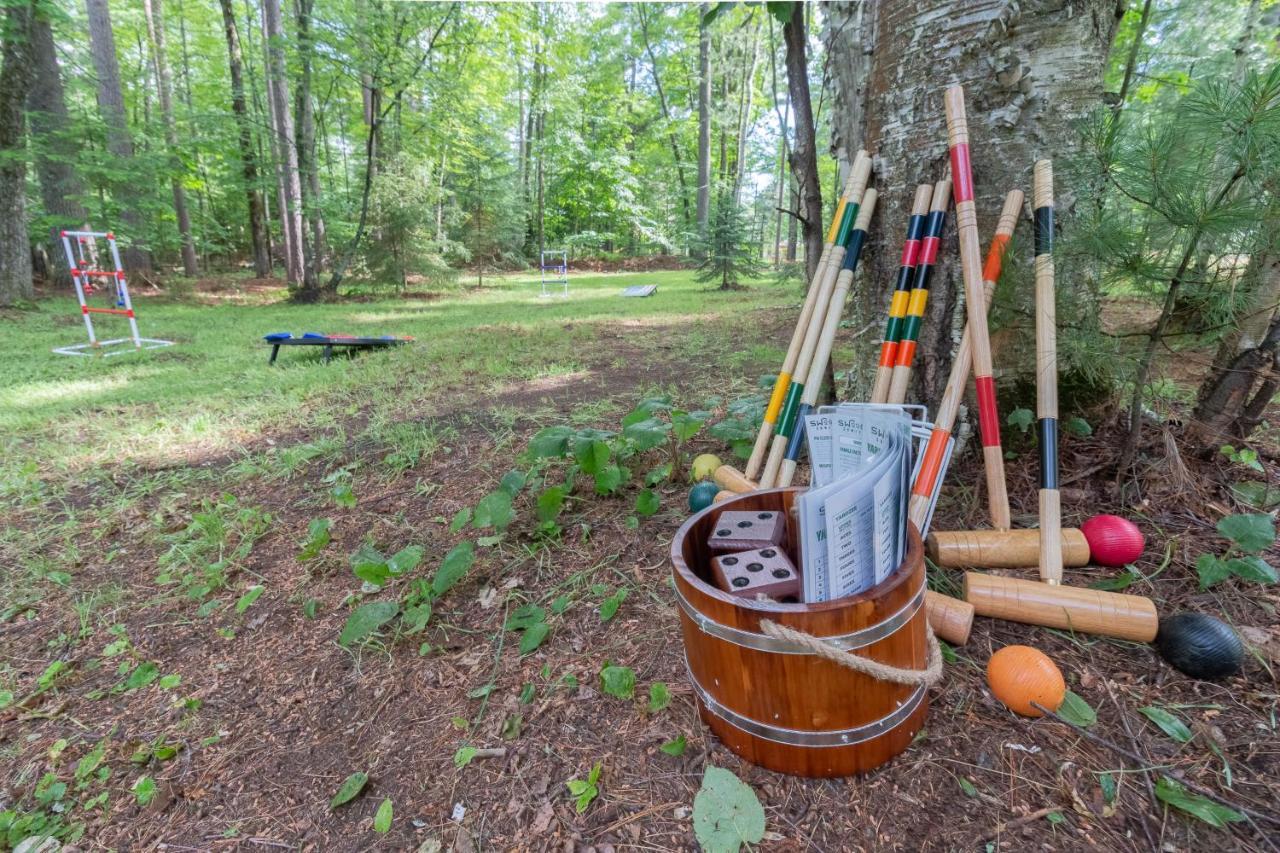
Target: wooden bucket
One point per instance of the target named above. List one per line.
(775, 704)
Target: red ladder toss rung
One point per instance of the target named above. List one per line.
(99, 273)
(127, 312)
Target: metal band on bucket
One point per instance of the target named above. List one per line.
(801, 737)
(760, 642)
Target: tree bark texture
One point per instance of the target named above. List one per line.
(15, 81)
(299, 271)
(248, 159)
(56, 147)
(102, 48)
(804, 153)
(1029, 70)
(154, 12)
(307, 161)
(703, 207)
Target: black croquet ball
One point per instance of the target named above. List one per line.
(1200, 646)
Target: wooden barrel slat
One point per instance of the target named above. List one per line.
(778, 708)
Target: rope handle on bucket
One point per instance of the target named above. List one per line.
(929, 676)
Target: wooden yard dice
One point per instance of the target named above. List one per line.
(764, 571)
(747, 531)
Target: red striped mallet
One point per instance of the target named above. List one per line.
(1047, 377)
(971, 267)
(818, 367)
(783, 381)
(910, 336)
(945, 420)
(901, 293)
(857, 184)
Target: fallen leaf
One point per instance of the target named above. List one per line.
(542, 820)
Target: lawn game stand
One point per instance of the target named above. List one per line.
(555, 272)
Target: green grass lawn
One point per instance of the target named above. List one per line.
(214, 389)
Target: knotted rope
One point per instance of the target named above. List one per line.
(927, 677)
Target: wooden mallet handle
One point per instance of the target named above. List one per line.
(939, 201)
(971, 267)
(1047, 378)
(731, 479)
(950, 618)
(1000, 549)
(1088, 611)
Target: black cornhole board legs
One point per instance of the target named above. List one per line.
(330, 343)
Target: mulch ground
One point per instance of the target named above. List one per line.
(285, 713)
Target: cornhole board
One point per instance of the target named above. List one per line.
(640, 290)
(316, 339)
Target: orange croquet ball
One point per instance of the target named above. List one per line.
(1020, 675)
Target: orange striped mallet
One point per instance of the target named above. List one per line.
(1047, 377)
(945, 420)
(901, 293)
(906, 353)
(971, 267)
(783, 381)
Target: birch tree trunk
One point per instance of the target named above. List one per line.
(57, 147)
(102, 48)
(804, 153)
(307, 161)
(703, 207)
(154, 13)
(1029, 72)
(15, 80)
(248, 160)
(299, 271)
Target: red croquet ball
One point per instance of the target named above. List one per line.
(1113, 541)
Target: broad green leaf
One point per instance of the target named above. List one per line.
(647, 503)
(1115, 584)
(317, 538)
(494, 510)
(464, 756)
(1168, 723)
(90, 761)
(513, 482)
(658, 474)
(1078, 426)
(685, 425)
(619, 681)
(1107, 782)
(168, 682)
(460, 519)
(250, 596)
(454, 566)
(1075, 710)
(550, 502)
(1021, 418)
(781, 12)
(350, 787)
(967, 787)
(144, 790)
(1252, 533)
(1170, 792)
(646, 434)
(1256, 494)
(1211, 570)
(343, 495)
(674, 747)
(405, 560)
(560, 604)
(550, 442)
(608, 479)
(1252, 569)
(609, 607)
(310, 607)
(366, 619)
(382, 820)
(591, 455)
(533, 637)
(659, 697)
(369, 564)
(527, 692)
(726, 813)
(145, 673)
(416, 618)
(524, 617)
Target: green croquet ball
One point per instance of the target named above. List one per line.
(702, 495)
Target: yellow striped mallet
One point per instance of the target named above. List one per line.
(901, 293)
(783, 381)
(906, 353)
(971, 267)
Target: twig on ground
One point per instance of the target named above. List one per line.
(1019, 821)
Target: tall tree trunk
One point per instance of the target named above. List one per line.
(102, 48)
(1028, 78)
(666, 116)
(744, 117)
(804, 153)
(57, 147)
(703, 207)
(300, 271)
(307, 161)
(154, 13)
(15, 80)
(248, 160)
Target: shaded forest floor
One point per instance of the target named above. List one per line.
(228, 720)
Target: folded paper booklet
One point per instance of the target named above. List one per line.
(853, 519)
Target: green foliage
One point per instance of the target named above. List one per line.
(366, 619)
(730, 255)
(204, 555)
(674, 747)
(659, 697)
(1075, 709)
(1250, 535)
(349, 789)
(726, 813)
(585, 791)
(382, 819)
(1168, 723)
(618, 681)
(317, 538)
(1170, 792)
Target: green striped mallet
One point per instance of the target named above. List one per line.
(854, 190)
(910, 334)
(901, 293)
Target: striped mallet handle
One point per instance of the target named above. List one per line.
(901, 293)
(1047, 377)
(787, 417)
(919, 301)
(971, 267)
(945, 420)
(783, 380)
(818, 367)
